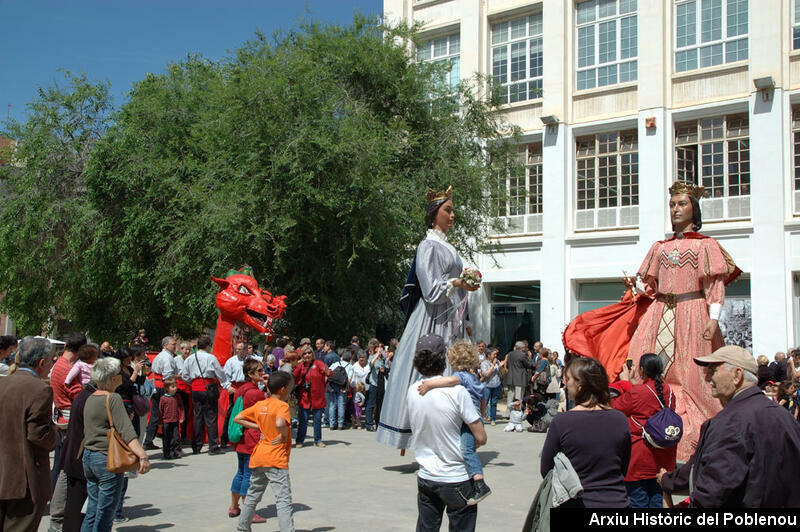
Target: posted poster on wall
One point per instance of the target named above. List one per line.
(736, 324)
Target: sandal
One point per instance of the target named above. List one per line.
(234, 512)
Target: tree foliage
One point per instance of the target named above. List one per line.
(306, 156)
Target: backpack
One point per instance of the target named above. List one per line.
(663, 429)
(235, 431)
(339, 377)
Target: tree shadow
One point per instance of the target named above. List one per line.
(405, 469)
(271, 511)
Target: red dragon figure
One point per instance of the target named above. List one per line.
(241, 301)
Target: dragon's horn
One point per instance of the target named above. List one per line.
(223, 283)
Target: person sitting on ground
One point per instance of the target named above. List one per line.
(515, 417)
(749, 452)
(645, 398)
(463, 358)
(269, 462)
(82, 369)
(435, 420)
(593, 436)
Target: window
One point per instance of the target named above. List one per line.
(795, 24)
(796, 155)
(607, 42)
(607, 181)
(710, 32)
(595, 295)
(443, 50)
(517, 58)
(715, 153)
(516, 313)
(523, 207)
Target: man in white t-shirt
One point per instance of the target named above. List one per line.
(436, 418)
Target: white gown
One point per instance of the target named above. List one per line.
(443, 311)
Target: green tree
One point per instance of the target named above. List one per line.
(46, 221)
(307, 157)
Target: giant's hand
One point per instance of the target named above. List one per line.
(711, 328)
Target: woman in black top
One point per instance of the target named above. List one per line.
(593, 436)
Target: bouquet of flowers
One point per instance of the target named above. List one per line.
(471, 276)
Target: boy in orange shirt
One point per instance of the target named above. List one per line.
(269, 462)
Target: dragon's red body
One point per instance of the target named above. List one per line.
(241, 301)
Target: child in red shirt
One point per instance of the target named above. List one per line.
(269, 461)
(170, 415)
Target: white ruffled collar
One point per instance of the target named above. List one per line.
(435, 234)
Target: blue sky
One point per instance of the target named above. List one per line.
(120, 41)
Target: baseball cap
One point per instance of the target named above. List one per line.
(732, 354)
(430, 342)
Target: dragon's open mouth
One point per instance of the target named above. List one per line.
(257, 316)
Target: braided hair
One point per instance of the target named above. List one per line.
(651, 367)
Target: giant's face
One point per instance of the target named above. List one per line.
(445, 216)
(680, 210)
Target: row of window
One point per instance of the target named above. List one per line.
(707, 33)
(713, 152)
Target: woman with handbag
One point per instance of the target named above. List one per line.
(110, 446)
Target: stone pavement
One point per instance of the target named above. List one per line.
(353, 484)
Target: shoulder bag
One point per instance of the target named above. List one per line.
(211, 387)
(120, 457)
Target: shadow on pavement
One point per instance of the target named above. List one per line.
(143, 528)
(271, 511)
(405, 469)
(318, 529)
(488, 456)
(140, 510)
(328, 443)
(165, 465)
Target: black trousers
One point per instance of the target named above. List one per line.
(433, 498)
(170, 441)
(76, 495)
(21, 514)
(205, 416)
(152, 425)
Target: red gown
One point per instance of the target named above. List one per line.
(695, 269)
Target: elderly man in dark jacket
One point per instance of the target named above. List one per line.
(748, 455)
(517, 363)
(27, 435)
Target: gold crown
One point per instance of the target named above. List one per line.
(442, 195)
(683, 187)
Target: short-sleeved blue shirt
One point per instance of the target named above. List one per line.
(474, 386)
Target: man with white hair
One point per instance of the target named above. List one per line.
(749, 452)
(517, 362)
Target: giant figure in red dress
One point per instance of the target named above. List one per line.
(671, 309)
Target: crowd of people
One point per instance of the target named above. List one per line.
(598, 430)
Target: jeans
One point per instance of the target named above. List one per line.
(278, 479)
(205, 416)
(434, 497)
(152, 425)
(118, 512)
(372, 396)
(241, 481)
(492, 396)
(302, 424)
(335, 408)
(645, 493)
(471, 459)
(103, 491)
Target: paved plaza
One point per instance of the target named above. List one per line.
(353, 484)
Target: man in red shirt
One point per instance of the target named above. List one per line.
(63, 396)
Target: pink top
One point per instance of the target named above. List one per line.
(79, 369)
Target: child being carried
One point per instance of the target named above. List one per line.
(463, 357)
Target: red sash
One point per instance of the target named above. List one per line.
(199, 385)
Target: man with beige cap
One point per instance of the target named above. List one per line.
(748, 455)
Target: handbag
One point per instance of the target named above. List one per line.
(120, 457)
(663, 429)
(141, 405)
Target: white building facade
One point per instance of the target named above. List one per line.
(636, 94)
